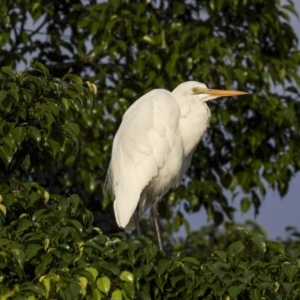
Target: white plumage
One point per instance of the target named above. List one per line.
(154, 145)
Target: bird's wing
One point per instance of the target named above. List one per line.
(141, 146)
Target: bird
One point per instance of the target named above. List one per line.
(153, 148)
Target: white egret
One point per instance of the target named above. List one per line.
(154, 145)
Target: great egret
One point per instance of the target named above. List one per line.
(153, 148)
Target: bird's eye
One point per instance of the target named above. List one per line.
(195, 90)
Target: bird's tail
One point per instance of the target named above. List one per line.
(143, 207)
(125, 205)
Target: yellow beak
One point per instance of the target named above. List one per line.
(224, 93)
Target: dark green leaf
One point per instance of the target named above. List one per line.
(31, 251)
(222, 255)
(18, 134)
(290, 271)
(2, 95)
(162, 266)
(35, 133)
(36, 289)
(74, 128)
(245, 205)
(260, 244)
(40, 67)
(74, 78)
(236, 247)
(191, 260)
(255, 294)
(277, 247)
(6, 154)
(8, 71)
(18, 255)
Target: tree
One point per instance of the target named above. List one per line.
(58, 117)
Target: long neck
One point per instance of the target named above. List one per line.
(194, 120)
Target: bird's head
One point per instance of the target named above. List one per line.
(198, 90)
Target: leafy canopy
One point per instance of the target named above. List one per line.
(56, 129)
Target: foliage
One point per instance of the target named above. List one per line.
(37, 114)
(253, 142)
(53, 251)
(56, 132)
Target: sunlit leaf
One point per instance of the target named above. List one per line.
(103, 284)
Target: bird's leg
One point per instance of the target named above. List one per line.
(137, 221)
(156, 224)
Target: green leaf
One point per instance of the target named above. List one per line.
(76, 200)
(150, 252)
(233, 292)
(2, 95)
(35, 133)
(45, 280)
(55, 147)
(73, 94)
(9, 141)
(244, 178)
(213, 268)
(289, 286)
(127, 276)
(77, 225)
(40, 67)
(32, 250)
(3, 209)
(255, 294)
(175, 279)
(116, 295)
(111, 267)
(103, 284)
(156, 61)
(93, 271)
(148, 268)
(24, 224)
(92, 245)
(128, 93)
(7, 102)
(162, 266)
(9, 72)
(10, 199)
(19, 255)
(80, 92)
(149, 39)
(18, 134)
(6, 154)
(236, 247)
(4, 242)
(133, 245)
(50, 119)
(245, 205)
(277, 247)
(74, 128)
(53, 108)
(171, 64)
(222, 255)
(74, 78)
(260, 243)
(191, 260)
(290, 271)
(65, 103)
(36, 289)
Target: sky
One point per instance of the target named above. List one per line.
(275, 213)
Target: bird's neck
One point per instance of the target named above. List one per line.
(194, 121)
